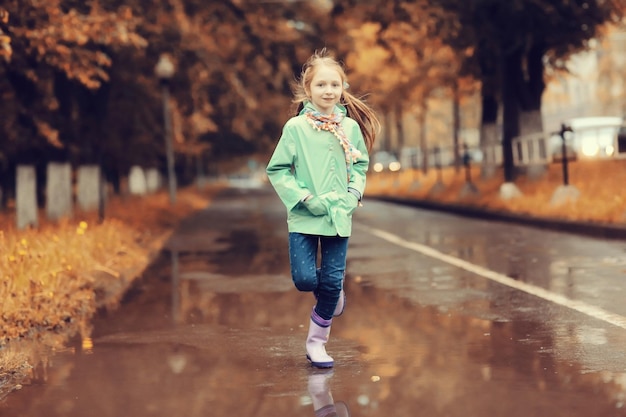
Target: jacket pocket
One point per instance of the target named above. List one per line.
(315, 206)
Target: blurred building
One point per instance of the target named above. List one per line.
(594, 86)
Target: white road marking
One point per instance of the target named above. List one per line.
(580, 306)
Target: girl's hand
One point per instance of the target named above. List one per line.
(315, 206)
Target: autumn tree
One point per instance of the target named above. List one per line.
(513, 42)
(81, 84)
(396, 54)
(52, 45)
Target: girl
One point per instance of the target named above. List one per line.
(318, 171)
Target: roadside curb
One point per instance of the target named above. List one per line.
(598, 230)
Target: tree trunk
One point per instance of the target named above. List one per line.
(399, 126)
(511, 67)
(456, 124)
(421, 121)
(386, 139)
(489, 136)
(530, 121)
(531, 87)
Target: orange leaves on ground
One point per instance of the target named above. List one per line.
(600, 184)
(57, 275)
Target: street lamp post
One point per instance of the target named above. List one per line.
(164, 70)
(564, 129)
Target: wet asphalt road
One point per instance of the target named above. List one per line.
(446, 316)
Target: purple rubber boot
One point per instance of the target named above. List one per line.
(319, 331)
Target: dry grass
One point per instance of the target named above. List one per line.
(600, 183)
(58, 274)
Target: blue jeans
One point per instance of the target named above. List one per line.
(328, 282)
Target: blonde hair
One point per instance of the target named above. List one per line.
(356, 107)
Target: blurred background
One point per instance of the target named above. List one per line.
(201, 88)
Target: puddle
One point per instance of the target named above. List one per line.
(216, 328)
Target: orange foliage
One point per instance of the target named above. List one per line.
(600, 184)
(5, 41)
(70, 41)
(55, 277)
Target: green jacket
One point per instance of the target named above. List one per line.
(307, 161)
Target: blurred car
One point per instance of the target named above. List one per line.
(385, 161)
(590, 137)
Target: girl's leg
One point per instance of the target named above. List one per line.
(341, 303)
(333, 266)
(303, 260)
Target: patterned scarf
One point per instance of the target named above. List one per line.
(332, 123)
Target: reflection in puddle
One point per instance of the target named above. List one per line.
(393, 357)
(210, 332)
(591, 335)
(318, 386)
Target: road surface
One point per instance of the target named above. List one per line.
(446, 316)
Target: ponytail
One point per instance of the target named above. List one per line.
(366, 118)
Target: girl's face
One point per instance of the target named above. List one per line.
(326, 88)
